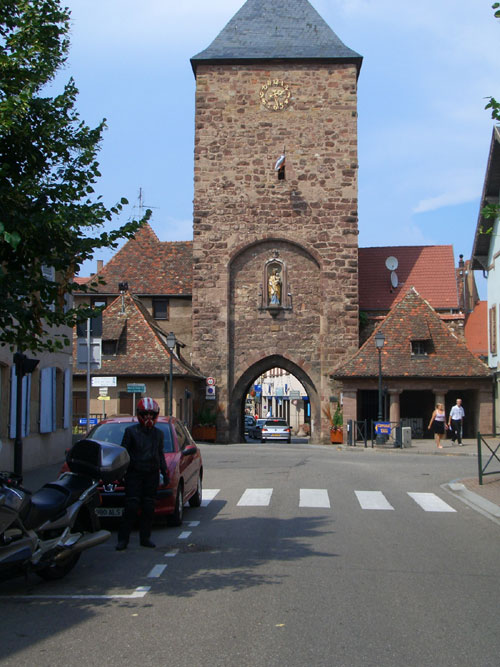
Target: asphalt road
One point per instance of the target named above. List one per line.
(310, 570)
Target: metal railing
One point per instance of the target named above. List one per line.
(357, 431)
(482, 468)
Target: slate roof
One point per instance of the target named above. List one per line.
(276, 30)
(150, 266)
(490, 195)
(429, 269)
(448, 356)
(142, 344)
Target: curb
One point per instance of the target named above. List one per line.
(476, 502)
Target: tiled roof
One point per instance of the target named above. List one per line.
(476, 329)
(142, 344)
(429, 269)
(448, 357)
(276, 29)
(149, 266)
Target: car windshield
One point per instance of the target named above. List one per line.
(276, 422)
(113, 432)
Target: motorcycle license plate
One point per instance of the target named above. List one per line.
(109, 511)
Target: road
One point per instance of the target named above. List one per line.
(331, 562)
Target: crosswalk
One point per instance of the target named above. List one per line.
(319, 499)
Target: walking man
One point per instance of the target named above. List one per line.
(455, 421)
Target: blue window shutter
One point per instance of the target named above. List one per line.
(67, 398)
(46, 400)
(54, 399)
(25, 427)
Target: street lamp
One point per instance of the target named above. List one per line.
(379, 344)
(171, 341)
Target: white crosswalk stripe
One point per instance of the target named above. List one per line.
(373, 500)
(208, 495)
(256, 498)
(430, 502)
(314, 498)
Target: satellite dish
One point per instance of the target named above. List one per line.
(391, 263)
(394, 278)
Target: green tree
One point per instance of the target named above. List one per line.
(492, 102)
(50, 217)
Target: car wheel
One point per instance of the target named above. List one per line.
(262, 439)
(195, 500)
(178, 515)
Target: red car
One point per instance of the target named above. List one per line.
(184, 464)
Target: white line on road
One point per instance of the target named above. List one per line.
(184, 535)
(314, 498)
(193, 524)
(373, 500)
(208, 496)
(256, 497)
(430, 502)
(139, 592)
(157, 571)
(171, 554)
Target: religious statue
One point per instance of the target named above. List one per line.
(274, 287)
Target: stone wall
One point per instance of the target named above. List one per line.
(243, 214)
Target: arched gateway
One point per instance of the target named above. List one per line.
(275, 205)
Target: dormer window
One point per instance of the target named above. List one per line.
(420, 347)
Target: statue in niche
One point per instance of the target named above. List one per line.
(274, 284)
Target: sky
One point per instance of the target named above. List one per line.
(423, 133)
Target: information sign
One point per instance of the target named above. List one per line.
(136, 388)
(103, 381)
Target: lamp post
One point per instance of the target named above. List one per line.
(379, 344)
(171, 341)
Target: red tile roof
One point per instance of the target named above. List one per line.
(141, 343)
(448, 357)
(429, 269)
(149, 266)
(476, 329)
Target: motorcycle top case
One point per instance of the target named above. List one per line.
(100, 460)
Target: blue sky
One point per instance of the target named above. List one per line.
(423, 132)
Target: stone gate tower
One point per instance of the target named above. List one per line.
(275, 280)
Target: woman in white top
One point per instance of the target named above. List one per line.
(438, 419)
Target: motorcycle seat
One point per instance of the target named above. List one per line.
(47, 503)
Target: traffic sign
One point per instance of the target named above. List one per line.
(136, 388)
(211, 382)
(104, 398)
(103, 381)
(103, 391)
(210, 393)
(383, 428)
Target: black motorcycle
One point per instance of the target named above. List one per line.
(46, 531)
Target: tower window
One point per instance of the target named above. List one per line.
(160, 309)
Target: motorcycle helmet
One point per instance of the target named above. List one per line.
(147, 412)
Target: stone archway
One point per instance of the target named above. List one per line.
(255, 370)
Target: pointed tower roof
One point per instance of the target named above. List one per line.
(276, 30)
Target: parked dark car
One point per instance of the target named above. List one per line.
(254, 432)
(249, 423)
(184, 464)
(276, 429)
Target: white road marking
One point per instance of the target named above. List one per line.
(208, 495)
(139, 592)
(184, 535)
(373, 500)
(157, 571)
(430, 502)
(171, 554)
(256, 497)
(314, 498)
(193, 524)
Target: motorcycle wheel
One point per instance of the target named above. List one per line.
(58, 570)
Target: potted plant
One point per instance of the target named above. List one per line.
(336, 422)
(204, 427)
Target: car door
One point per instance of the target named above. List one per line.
(189, 463)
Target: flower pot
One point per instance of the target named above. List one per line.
(205, 433)
(337, 435)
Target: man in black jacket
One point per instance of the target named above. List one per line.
(144, 443)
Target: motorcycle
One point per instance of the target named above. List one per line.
(47, 531)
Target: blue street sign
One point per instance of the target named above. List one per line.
(83, 421)
(383, 428)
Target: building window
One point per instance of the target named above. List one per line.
(493, 330)
(160, 309)
(109, 347)
(420, 347)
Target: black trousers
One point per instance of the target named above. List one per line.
(456, 430)
(140, 493)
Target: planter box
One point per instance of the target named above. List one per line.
(205, 433)
(337, 436)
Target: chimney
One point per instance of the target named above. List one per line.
(99, 265)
